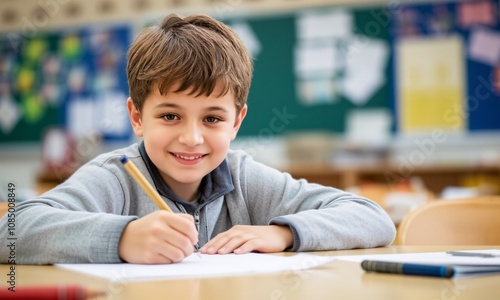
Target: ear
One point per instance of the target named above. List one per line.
(239, 120)
(135, 117)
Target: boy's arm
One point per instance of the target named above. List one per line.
(320, 217)
(79, 221)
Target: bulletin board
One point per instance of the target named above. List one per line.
(302, 79)
(457, 46)
(73, 79)
(312, 68)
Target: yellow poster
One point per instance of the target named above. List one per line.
(431, 84)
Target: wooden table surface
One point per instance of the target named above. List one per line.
(335, 280)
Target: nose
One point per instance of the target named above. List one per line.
(191, 135)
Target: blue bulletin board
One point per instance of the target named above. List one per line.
(472, 25)
(73, 79)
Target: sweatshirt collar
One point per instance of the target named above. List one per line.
(215, 184)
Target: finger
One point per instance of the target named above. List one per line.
(194, 234)
(175, 254)
(178, 240)
(227, 241)
(213, 246)
(167, 254)
(184, 224)
(234, 243)
(156, 251)
(247, 247)
(164, 231)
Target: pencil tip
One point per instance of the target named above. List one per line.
(124, 159)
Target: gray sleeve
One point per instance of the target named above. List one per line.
(320, 217)
(79, 221)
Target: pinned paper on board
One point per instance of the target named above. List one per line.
(476, 13)
(430, 84)
(316, 60)
(358, 87)
(317, 55)
(484, 46)
(369, 54)
(80, 117)
(113, 118)
(365, 70)
(10, 114)
(324, 25)
(331, 61)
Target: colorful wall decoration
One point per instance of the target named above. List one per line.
(74, 79)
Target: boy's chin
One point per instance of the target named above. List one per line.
(188, 180)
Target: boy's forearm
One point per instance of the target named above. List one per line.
(343, 227)
(46, 235)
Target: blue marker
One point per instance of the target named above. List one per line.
(408, 269)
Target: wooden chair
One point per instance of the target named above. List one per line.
(471, 221)
(3, 208)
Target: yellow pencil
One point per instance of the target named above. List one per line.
(146, 186)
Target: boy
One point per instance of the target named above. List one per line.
(189, 80)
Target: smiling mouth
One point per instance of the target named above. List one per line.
(188, 157)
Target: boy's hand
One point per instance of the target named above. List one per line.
(158, 238)
(245, 238)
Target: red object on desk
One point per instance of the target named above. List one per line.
(62, 292)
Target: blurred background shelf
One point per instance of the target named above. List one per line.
(436, 178)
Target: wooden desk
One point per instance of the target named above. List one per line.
(336, 280)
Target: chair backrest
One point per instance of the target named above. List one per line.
(3, 208)
(471, 221)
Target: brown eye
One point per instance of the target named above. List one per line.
(170, 117)
(212, 119)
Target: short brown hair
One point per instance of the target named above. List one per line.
(196, 52)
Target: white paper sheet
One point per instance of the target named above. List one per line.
(484, 46)
(313, 61)
(113, 115)
(81, 112)
(438, 258)
(324, 25)
(203, 265)
(360, 87)
(369, 55)
(10, 114)
(364, 72)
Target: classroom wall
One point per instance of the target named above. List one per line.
(20, 161)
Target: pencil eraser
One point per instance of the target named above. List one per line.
(124, 159)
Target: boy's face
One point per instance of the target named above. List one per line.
(185, 136)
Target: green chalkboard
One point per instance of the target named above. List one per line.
(274, 104)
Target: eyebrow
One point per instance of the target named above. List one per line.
(173, 105)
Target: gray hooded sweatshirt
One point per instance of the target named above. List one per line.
(82, 219)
